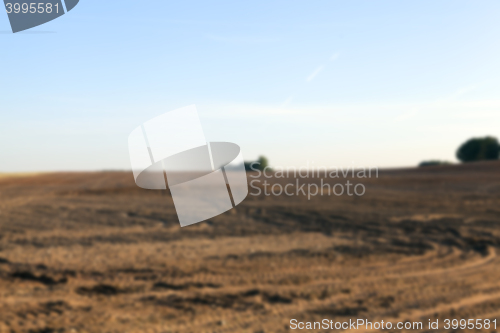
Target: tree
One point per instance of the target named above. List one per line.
(263, 162)
(260, 164)
(433, 163)
(479, 149)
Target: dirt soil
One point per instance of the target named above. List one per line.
(91, 252)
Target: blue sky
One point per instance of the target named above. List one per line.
(337, 83)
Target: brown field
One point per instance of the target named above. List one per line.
(91, 252)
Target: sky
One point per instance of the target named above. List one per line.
(324, 83)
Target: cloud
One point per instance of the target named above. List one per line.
(321, 68)
(407, 115)
(492, 115)
(315, 73)
(286, 102)
(241, 39)
(462, 91)
(335, 56)
(432, 112)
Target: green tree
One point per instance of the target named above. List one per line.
(479, 149)
(261, 163)
(433, 163)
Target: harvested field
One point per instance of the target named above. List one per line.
(91, 252)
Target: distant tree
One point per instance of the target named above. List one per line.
(261, 163)
(479, 149)
(433, 163)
